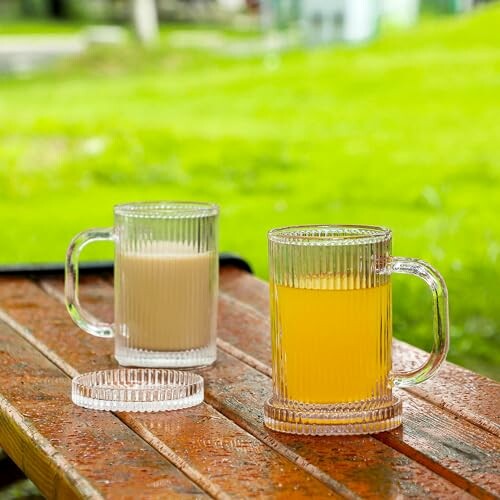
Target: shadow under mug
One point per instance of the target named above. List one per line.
(331, 329)
(166, 283)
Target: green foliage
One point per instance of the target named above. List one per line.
(402, 133)
(24, 489)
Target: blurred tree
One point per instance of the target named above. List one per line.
(145, 18)
(253, 5)
(28, 8)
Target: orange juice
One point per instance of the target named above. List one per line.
(331, 345)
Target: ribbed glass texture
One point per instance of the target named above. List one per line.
(166, 282)
(138, 389)
(331, 330)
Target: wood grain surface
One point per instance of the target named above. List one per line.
(214, 452)
(222, 446)
(65, 450)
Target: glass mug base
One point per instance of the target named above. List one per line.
(331, 420)
(190, 358)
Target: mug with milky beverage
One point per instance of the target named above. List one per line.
(166, 283)
(331, 329)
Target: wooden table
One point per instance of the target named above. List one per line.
(448, 446)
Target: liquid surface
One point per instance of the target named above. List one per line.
(331, 346)
(165, 298)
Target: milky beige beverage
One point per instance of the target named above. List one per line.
(165, 297)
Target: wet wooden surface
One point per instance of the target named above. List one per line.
(448, 447)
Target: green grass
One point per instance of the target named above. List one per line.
(402, 133)
(38, 27)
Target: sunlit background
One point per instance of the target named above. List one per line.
(283, 112)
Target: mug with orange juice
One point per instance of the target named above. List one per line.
(331, 329)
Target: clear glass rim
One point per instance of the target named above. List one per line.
(329, 234)
(137, 389)
(166, 209)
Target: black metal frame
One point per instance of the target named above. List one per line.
(225, 259)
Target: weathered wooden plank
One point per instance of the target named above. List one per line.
(247, 330)
(448, 445)
(210, 449)
(473, 397)
(456, 389)
(67, 451)
(364, 464)
(246, 288)
(233, 459)
(54, 477)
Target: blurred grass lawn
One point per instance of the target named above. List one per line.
(402, 133)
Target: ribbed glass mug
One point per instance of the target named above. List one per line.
(166, 283)
(331, 329)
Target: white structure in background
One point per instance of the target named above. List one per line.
(362, 20)
(463, 5)
(279, 13)
(145, 17)
(322, 22)
(325, 21)
(402, 13)
(231, 5)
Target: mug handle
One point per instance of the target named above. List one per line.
(441, 328)
(79, 315)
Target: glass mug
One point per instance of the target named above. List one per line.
(331, 329)
(166, 283)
